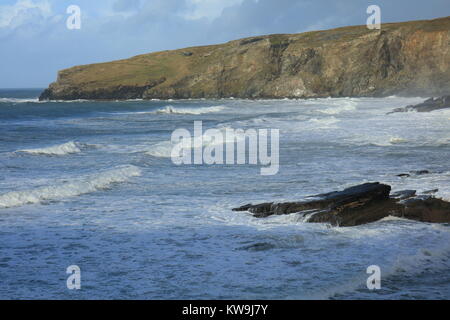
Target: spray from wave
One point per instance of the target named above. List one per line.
(84, 185)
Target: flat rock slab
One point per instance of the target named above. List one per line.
(427, 106)
(358, 205)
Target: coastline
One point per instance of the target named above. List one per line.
(343, 62)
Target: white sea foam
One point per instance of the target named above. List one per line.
(342, 106)
(324, 121)
(58, 150)
(397, 140)
(18, 100)
(161, 150)
(194, 111)
(84, 185)
(421, 183)
(164, 149)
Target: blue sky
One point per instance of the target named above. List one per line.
(35, 42)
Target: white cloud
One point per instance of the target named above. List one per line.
(24, 11)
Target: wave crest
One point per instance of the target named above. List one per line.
(58, 150)
(195, 111)
(74, 188)
(19, 100)
(340, 107)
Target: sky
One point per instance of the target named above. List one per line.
(35, 42)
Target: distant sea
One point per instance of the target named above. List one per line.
(92, 184)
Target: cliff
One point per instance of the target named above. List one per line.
(410, 58)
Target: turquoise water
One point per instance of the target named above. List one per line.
(92, 184)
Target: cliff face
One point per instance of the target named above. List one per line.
(411, 58)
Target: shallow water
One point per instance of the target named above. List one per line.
(92, 184)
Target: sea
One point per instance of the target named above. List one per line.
(93, 185)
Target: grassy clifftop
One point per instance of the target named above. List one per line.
(410, 58)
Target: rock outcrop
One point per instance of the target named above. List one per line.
(358, 205)
(410, 58)
(428, 105)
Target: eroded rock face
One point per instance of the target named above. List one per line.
(428, 105)
(358, 205)
(404, 59)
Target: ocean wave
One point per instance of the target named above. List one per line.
(164, 149)
(87, 184)
(324, 121)
(194, 111)
(397, 140)
(36, 100)
(386, 141)
(341, 106)
(18, 100)
(58, 150)
(389, 141)
(161, 150)
(425, 182)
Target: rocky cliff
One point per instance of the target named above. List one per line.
(410, 58)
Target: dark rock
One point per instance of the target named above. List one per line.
(118, 92)
(338, 208)
(357, 213)
(404, 194)
(417, 173)
(358, 205)
(427, 106)
(187, 53)
(431, 191)
(243, 208)
(426, 210)
(403, 175)
(420, 172)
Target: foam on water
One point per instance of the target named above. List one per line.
(340, 107)
(18, 100)
(164, 149)
(323, 123)
(173, 234)
(161, 150)
(58, 150)
(76, 187)
(192, 111)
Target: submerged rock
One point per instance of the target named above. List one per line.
(417, 173)
(358, 205)
(427, 106)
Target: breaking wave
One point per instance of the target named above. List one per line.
(164, 149)
(84, 185)
(18, 100)
(58, 150)
(195, 111)
(341, 107)
(324, 121)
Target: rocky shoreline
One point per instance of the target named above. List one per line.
(359, 205)
(428, 105)
(407, 59)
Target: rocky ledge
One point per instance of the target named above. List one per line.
(358, 205)
(408, 58)
(427, 106)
